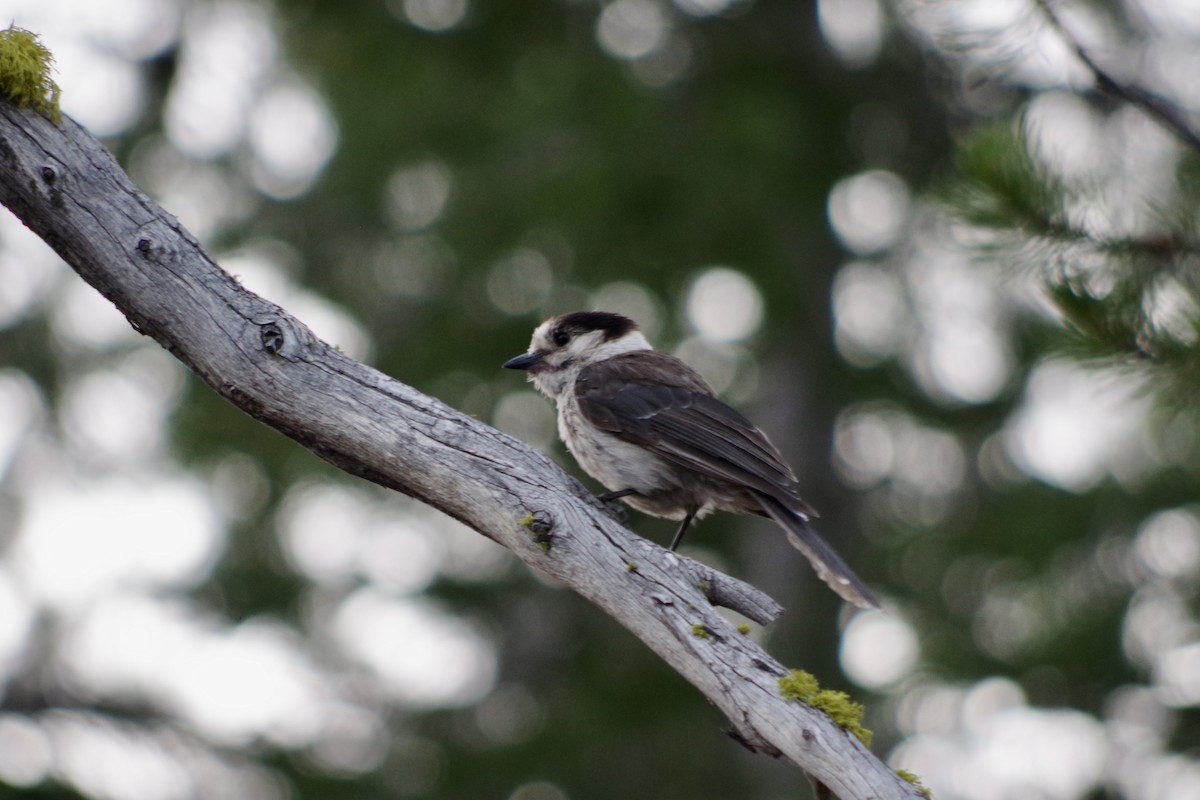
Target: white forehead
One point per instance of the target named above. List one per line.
(541, 334)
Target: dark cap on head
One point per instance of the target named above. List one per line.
(614, 326)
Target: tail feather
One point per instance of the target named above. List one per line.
(828, 564)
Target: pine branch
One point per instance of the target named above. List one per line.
(1167, 113)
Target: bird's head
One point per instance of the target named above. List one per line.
(562, 345)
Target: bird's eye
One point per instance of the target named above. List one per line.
(560, 337)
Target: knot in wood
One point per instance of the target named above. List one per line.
(542, 523)
(272, 337)
(541, 526)
(49, 174)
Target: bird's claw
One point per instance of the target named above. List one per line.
(618, 511)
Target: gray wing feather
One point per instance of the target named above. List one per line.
(683, 422)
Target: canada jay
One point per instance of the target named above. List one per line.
(649, 428)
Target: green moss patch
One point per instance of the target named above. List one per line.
(801, 686)
(916, 782)
(25, 66)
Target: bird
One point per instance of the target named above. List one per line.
(650, 429)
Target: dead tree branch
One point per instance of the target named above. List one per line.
(67, 188)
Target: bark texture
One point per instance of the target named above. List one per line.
(66, 187)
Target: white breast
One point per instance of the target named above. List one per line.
(615, 463)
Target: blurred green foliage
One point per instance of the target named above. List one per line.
(552, 145)
(1102, 284)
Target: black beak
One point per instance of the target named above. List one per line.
(524, 362)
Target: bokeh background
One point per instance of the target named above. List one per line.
(953, 281)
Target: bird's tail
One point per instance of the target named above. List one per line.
(828, 564)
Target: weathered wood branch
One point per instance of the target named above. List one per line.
(67, 188)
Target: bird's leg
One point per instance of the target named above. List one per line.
(608, 497)
(683, 526)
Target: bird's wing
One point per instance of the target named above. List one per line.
(656, 401)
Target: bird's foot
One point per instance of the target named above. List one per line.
(618, 511)
(609, 497)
